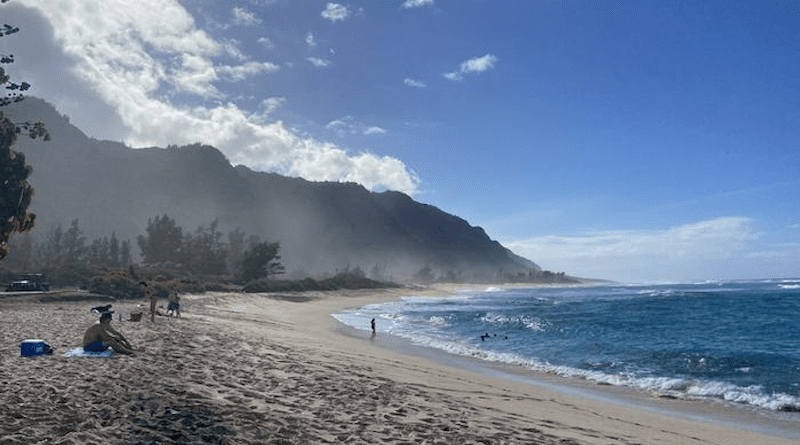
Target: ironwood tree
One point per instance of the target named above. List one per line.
(261, 260)
(15, 191)
(163, 241)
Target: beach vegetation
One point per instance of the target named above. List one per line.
(261, 260)
(204, 252)
(162, 241)
(425, 274)
(201, 261)
(342, 280)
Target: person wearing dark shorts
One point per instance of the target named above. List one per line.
(174, 306)
(102, 336)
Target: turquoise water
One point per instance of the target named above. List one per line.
(737, 341)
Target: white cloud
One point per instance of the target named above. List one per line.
(475, 65)
(310, 40)
(348, 125)
(195, 76)
(237, 73)
(266, 42)
(128, 56)
(374, 130)
(244, 17)
(417, 3)
(271, 104)
(340, 126)
(319, 63)
(706, 249)
(335, 11)
(414, 83)
(478, 64)
(231, 48)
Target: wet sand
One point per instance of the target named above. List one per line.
(263, 368)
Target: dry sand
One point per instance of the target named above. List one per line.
(258, 368)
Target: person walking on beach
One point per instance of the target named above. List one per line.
(102, 336)
(174, 305)
(150, 295)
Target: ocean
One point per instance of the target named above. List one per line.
(735, 342)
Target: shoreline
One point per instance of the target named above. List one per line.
(727, 415)
(267, 368)
(724, 414)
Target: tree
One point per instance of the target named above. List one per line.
(15, 90)
(379, 272)
(98, 252)
(113, 251)
(51, 252)
(425, 275)
(125, 258)
(21, 255)
(16, 193)
(235, 248)
(204, 253)
(74, 245)
(163, 241)
(261, 260)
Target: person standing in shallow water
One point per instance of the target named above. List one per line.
(372, 323)
(150, 295)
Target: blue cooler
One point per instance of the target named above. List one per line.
(30, 348)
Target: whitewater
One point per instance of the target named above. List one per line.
(735, 342)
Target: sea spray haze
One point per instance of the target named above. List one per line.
(322, 227)
(735, 342)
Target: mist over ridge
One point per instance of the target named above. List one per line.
(322, 226)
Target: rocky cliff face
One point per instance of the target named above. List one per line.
(322, 226)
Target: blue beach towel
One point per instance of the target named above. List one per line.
(79, 352)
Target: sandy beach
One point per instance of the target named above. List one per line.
(263, 368)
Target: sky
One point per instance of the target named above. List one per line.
(633, 141)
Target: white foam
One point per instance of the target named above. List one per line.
(789, 286)
(439, 320)
(673, 387)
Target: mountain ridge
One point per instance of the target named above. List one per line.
(322, 226)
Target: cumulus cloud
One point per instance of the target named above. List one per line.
(701, 249)
(138, 53)
(374, 130)
(319, 63)
(414, 83)
(239, 72)
(266, 42)
(335, 11)
(271, 104)
(310, 40)
(475, 65)
(244, 17)
(417, 3)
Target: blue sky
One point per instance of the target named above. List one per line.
(635, 141)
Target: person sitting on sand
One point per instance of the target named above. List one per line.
(150, 295)
(102, 336)
(174, 305)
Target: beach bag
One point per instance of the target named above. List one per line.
(30, 348)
